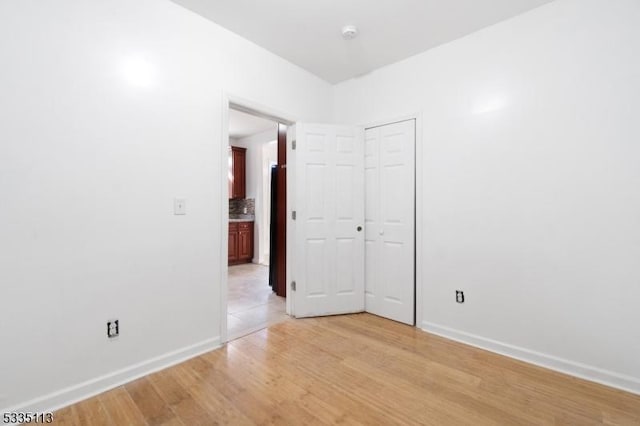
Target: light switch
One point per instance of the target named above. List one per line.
(179, 206)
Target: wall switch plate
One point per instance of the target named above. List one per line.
(113, 329)
(179, 206)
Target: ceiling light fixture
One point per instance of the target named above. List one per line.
(349, 32)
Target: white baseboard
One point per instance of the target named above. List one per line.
(583, 371)
(81, 391)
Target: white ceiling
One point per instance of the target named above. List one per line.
(308, 33)
(242, 124)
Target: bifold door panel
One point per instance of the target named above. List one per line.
(390, 221)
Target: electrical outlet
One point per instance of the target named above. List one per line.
(179, 206)
(459, 296)
(113, 329)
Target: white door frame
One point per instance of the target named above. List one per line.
(260, 110)
(419, 207)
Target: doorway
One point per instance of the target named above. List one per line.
(255, 293)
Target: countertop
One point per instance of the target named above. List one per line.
(242, 218)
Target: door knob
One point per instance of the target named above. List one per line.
(359, 228)
(381, 232)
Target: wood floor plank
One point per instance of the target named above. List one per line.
(288, 387)
(87, 412)
(154, 409)
(121, 408)
(179, 400)
(213, 395)
(355, 370)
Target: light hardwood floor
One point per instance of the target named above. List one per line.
(251, 305)
(355, 369)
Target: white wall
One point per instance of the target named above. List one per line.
(89, 167)
(254, 145)
(530, 183)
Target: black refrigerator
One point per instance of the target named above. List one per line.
(272, 228)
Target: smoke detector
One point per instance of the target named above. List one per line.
(349, 32)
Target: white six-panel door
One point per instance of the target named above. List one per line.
(328, 251)
(389, 221)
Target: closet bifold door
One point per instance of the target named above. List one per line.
(390, 221)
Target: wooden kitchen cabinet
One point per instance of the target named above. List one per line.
(240, 242)
(233, 243)
(237, 172)
(245, 241)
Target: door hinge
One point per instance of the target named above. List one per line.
(293, 215)
(293, 144)
(293, 286)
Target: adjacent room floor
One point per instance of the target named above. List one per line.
(354, 369)
(251, 303)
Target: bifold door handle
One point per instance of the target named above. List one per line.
(359, 228)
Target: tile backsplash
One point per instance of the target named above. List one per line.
(238, 206)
